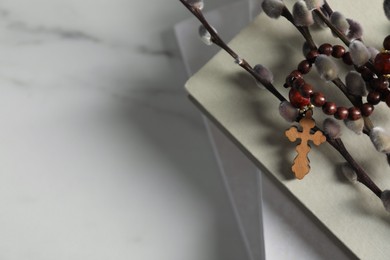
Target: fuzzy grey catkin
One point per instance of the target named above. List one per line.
(288, 111)
(314, 4)
(355, 30)
(373, 52)
(340, 22)
(273, 8)
(359, 53)
(349, 173)
(326, 68)
(332, 128)
(355, 126)
(355, 84)
(302, 15)
(381, 139)
(264, 73)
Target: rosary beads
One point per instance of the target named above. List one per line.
(303, 97)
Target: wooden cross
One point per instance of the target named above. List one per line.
(301, 165)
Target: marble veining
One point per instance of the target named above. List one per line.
(59, 32)
(102, 155)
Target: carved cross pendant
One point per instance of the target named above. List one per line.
(301, 165)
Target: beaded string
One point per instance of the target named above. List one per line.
(302, 96)
(379, 87)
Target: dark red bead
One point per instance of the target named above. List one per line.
(326, 49)
(318, 99)
(338, 51)
(386, 43)
(290, 78)
(366, 73)
(299, 82)
(367, 109)
(341, 113)
(306, 90)
(297, 100)
(354, 113)
(329, 108)
(311, 56)
(381, 84)
(347, 58)
(374, 97)
(304, 67)
(296, 74)
(371, 85)
(382, 63)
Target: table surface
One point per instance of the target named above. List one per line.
(103, 156)
(238, 106)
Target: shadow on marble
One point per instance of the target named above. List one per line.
(161, 111)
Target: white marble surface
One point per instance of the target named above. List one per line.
(102, 155)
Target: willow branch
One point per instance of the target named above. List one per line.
(216, 39)
(354, 100)
(363, 177)
(327, 8)
(336, 31)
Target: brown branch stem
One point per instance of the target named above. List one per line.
(217, 40)
(327, 8)
(354, 100)
(363, 177)
(357, 102)
(338, 82)
(339, 34)
(336, 31)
